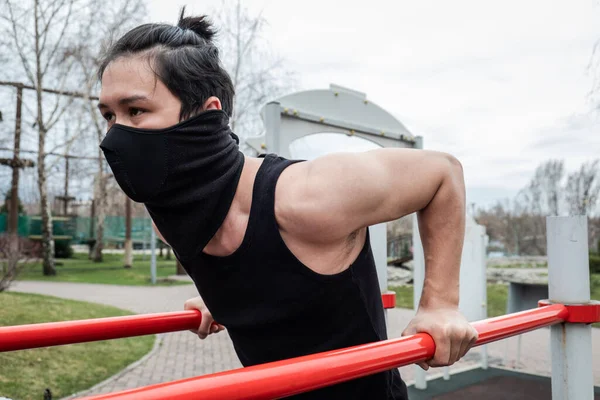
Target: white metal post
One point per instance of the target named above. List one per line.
(484, 310)
(418, 277)
(153, 255)
(272, 129)
(418, 280)
(569, 283)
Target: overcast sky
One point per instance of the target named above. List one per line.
(501, 85)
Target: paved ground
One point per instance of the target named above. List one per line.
(181, 355)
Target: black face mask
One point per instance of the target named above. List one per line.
(186, 175)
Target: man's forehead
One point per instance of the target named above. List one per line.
(126, 78)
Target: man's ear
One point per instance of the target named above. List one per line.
(212, 103)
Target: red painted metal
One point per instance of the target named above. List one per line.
(23, 337)
(389, 299)
(588, 313)
(493, 329)
(297, 375)
(57, 333)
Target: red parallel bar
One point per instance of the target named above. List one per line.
(57, 333)
(23, 337)
(297, 375)
(493, 329)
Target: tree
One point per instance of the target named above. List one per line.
(13, 259)
(38, 30)
(540, 198)
(100, 27)
(547, 180)
(7, 201)
(583, 188)
(258, 74)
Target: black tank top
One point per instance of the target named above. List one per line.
(274, 307)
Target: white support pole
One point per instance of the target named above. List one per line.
(273, 128)
(519, 342)
(484, 310)
(418, 280)
(569, 283)
(153, 255)
(378, 235)
(484, 357)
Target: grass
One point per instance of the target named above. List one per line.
(109, 271)
(497, 296)
(63, 369)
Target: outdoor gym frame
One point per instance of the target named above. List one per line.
(569, 312)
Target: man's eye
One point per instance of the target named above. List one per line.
(134, 112)
(108, 116)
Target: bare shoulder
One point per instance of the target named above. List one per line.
(307, 227)
(308, 202)
(297, 210)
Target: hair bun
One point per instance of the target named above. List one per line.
(200, 25)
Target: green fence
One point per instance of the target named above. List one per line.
(80, 230)
(22, 227)
(114, 229)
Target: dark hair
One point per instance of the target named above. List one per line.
(183, 57)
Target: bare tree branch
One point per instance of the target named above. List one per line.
(47, 21)
(59, 40)
(19, 47)
(53, 119)
(583, 189)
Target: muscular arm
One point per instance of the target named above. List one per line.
(341, 193)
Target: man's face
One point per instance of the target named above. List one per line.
(132, 95)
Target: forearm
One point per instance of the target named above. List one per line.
(442, 228)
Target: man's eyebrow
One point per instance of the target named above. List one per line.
(125, 100)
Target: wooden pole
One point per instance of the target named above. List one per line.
(13, 217)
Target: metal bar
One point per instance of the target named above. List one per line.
(345, 125)
(519, 342)
(273, 128)
(446, 373)
(152, 255)
(53, 91)
(569, 282)
(418, 277)
(53, 154)
(22, 337)
(297, 375)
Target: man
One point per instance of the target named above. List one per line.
(279, 250)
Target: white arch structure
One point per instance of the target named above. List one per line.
(336, 110)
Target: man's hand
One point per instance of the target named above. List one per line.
(450, 330)
(208, 325)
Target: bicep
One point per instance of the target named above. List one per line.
(349, 191)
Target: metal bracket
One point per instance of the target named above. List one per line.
(587, 313)
(389, 299)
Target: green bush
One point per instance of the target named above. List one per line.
(594, 263)
(63, 249)
(4, 207)
(594, 282)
